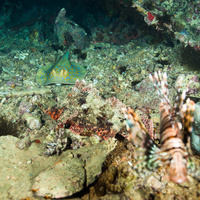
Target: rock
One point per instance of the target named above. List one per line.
(61, 180)
(16, 171)
(95, 157)
(188, 82)
(55, 176)
(71, 174)
(24, 143)
(68, 32)
(154, 182)
(33, 122)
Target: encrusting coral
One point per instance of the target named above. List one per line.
(116, 179)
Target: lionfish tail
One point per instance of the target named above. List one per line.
(177, 168)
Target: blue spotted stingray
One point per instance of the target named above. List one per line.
(63, 72)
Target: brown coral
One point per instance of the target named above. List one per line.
(116, 179)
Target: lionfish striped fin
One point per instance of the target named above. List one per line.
(188, 115)
(184, 110)
(141, 139)
(137, 130)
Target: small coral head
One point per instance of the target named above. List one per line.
(178, 168)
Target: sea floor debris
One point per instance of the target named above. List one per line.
(72, 138)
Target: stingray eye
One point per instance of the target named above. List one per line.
(57, 99)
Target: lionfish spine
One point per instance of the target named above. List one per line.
(161, 86)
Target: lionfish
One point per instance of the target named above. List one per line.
(175, 127)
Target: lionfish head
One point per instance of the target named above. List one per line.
(178, 168)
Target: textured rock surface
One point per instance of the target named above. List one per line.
(69, 175)
(18, 167)
(24, 171)
(94, 158)
(62, 179)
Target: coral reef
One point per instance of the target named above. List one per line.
(25, 107)
(167, 16)
(72, 138)
(91, 119)
(54, 112)
(189, 83)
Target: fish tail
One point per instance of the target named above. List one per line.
(178, 167)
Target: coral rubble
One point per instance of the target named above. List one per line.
(62, 136)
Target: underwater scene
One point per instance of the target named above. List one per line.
(100, 99)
